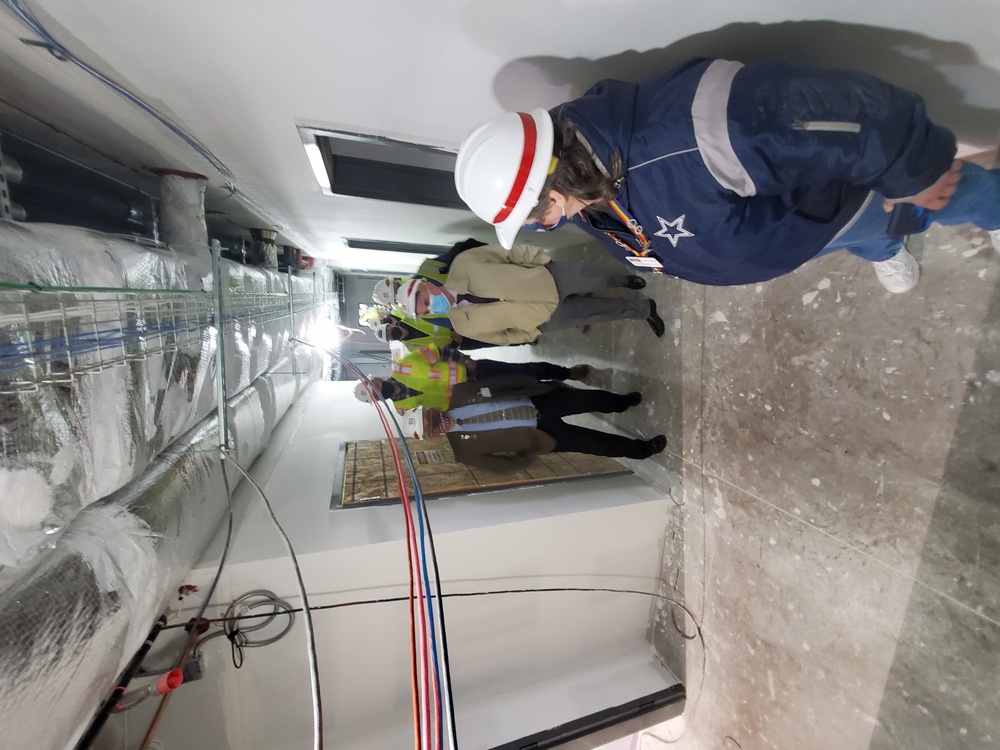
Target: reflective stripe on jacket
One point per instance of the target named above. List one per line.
(740, 173)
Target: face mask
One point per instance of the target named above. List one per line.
(536, 226)
(438, 304)
(539, 227)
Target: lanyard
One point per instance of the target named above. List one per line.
(640, 257)
(633, 226)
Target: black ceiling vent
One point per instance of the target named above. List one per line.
(371, 166)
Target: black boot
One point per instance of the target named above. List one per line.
(655, 445)
(655, 321)
(635, 282)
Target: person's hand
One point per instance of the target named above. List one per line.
(437, 422)
(937, 195)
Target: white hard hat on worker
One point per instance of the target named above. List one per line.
(502, 167)
(385, 292)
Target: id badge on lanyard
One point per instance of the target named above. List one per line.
(639, 258)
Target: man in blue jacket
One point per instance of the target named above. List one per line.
(724, 173)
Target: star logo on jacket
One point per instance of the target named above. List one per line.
(673, 230)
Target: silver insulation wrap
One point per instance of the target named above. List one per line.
(110, 478)
(182, 211)
(107, 355)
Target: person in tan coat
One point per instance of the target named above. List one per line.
(510, 297)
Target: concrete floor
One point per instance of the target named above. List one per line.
(833, 460)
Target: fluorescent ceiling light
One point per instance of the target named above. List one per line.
(318, 165)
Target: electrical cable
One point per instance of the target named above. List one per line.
(421, 516)
(418, 618)
(426, 614)
(238, 636)
(698, 634)
(61, 53)
(490, 592)
(194, 624)
(422, 582)
(317, 701)
(449, 705)
(422, 556)
(441, 662)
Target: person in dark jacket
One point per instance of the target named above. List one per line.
(504, 423)
(724, 173)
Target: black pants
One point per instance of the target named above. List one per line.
(487, 368)
(468, 345)
(563, 401)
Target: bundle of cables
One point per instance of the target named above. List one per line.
(433, 705)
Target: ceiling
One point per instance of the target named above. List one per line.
(222, 88)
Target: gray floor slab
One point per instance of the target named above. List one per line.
(833, 458)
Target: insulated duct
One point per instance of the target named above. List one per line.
(72, 621)
(107, 355)
(110, 478)
(182, 211)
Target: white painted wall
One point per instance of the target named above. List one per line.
(300, 467)
(521, 663)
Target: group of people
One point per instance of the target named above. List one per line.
(502, 415)
(715, 172)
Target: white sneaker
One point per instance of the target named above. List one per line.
(995, 239)
(898, 274)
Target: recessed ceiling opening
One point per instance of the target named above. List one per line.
(373, 166)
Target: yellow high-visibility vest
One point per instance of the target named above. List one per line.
(424, 371)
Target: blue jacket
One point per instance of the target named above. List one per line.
(740, 173)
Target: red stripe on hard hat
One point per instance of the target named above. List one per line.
(527, 157)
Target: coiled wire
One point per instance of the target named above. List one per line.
(236, 633)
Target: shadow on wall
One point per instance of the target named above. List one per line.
(961, 92)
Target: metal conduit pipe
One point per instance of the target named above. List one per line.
(72, 620)
(105, 711)
(52, 188)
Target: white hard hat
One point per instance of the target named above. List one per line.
(384, 293)
(406, 297)
(411, 422)
(382, 332)
(501, 169)
(361, 393)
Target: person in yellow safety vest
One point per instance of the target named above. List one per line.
(413, 332)
(425, 378)
(433, 269)
(429, 377)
